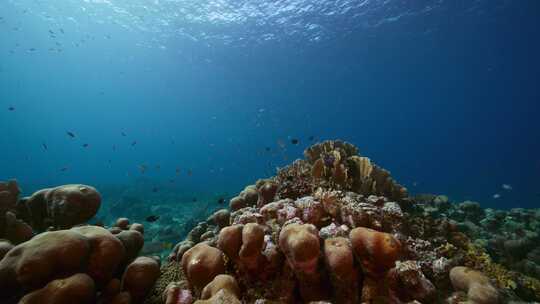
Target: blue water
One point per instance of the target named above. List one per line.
(444, 94)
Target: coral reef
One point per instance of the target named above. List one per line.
(335, 228)
(331, 228)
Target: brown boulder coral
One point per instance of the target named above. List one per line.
(339, 262)
(202, 264)
(12, 228)
(139, 278)
(107, 252)
(247, 197)
(301, 246)
(220, 282)
(34, 263)
(230, 240)
(250, 255)
(377, 253)
(5, 246)
(267, 190)
(78, 288)
(61, 207)
(133, 242)
(9, 194)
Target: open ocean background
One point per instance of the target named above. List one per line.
(444, 94)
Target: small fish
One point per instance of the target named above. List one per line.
(51, 32)
(158, 167)
(190, 173)
(114, 147)
(177, 171)
(311, 138)
(142, 168)
(85, 145)
(152, 218)
(194, 199)
(295, 141)
(171, 181)
(281, 144)
(155, 189)
(221, 201)
(496, 196)
(70, 134)
(44, 146)
(64, 169)
(123, 134)
(11, 108)
(267, 149)
(506, 187)
(32, 49)
(133, 143)
(62, 31)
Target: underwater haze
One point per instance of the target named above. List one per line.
(204, 97)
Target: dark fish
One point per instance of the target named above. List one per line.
(221, 201)
(190, 173)
(155, 189)
(32, 49)
(194, 199)
(62, 31)
(123, 134)
(152, 218)
(85, 145)
(11, 108)
(64, 169)
(51, 32)
(158, 167)
(171, 181)
(45, 146)
(311, 138)
(177, 171)
(133, 143)
(70, 134)
(294, 141)
(114, 147)
(267, 149)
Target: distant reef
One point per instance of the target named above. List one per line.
(330, 228)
